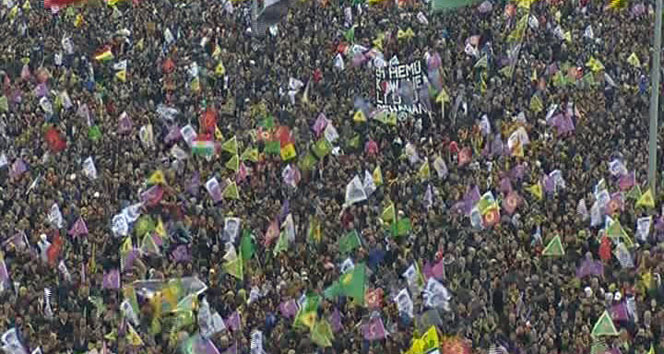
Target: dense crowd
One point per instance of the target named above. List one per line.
(60, 105)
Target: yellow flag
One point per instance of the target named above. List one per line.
(417, 347)
(359, 117)
(126, 245)
(288, 152)
(595, 65)
(220, 70)
(424, 172)
(634, 60)
(217, 52)
(525, 4)
(79, 21)
(195, 85)
(121, 75)
(567, 36)
(517, 149)
(230, 145)
(139, 45)
(160, 229)
(378, 42)
(536, 190)
(26, 6)
(157, 177)
(646, 200)
(133, 337)
(217, 134)
(430, 339)
(442, 96)
(377, 176)
(13, 12)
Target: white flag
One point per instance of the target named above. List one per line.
(128, 312)
(623, 255)
(339, 62)
(89, 168)
(440, 167)
(3, 160)
(121, 65)
(368, 184)
(595, 215)
(355, 191)
(119, 225)
(168, 36)
(132, 212)
(588, 33)
(436, 294)
(643, 227)
(331, 133)
(288, 226)
(188, 134)
(231, 229)
(422, 18)
(347, 265)
(256, 343)
(54, 216)
(404, 302)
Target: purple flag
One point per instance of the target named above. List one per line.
(173, 135)
(19, 240)
(471, 198)
(288, 308)
(79, 228)
(627, 181)
(111, 279)
(233, 321)
(335, 321)
(181, 254)
(505, 186)
(590, 267)
(358, 60)
(619, 312)
(563, 123)
(214, 189)
(433, 271)
(18, 168)
(4, 274)
(231, 350)
(205, 346)
(124, 123)
(127, 260)
(320, 124)
(549, 184)
(434, 61)
(285, 210)
(497, 148)
(374, 329)
(194, 183)
(517, 172)
(153, 195)
(41, 90)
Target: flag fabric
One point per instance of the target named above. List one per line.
(646, 199)
(350, 284)
(355, 191)
(554, 248)
(233, 322)
(322, 334)
(307, 315)
(111, 279)
(389, 214)
(288, 308)
(374, 329)
(349, 242)
(273, 11)
(202, 148)
(104, 54)
(79, 228)
(230, 145)
(536, 190)
(445, 5)
(604, 326)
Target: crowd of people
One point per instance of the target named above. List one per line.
(107, 201)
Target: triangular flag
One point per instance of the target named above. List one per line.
(233, 164)
(220, 70)
(231, 191)
(595, 65)
(634, 193)
(604, 326)
(121, 75)
(554, 248)
(389, 214)
(536, 190)
(634, 60)
(359, 117)
(157, 177)
(377, 176)
(250, 154)
(424, 172)
(482, 63)
(646, 200)
(230, 145)
(442, 96)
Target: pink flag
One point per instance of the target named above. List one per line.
(288, 308)
(320, 124)
(271, 233)
(111, 279)
(181, 254)
(174, 134)
(241, 174)
(233, 321)
(505, 186)
(18, 168)
(19, 241)
(153, 195)
(627, 181)
(619, 312)
(374, 329)
(511, 202)
(79, 228)
(371, 148)
(124, 123)
(335, 321)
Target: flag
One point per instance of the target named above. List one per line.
(157, 177)
(288, 152)
(359, 117)
(104, 54)
(202, 147)
(111, 279)
(273, 11)
(349, 242)
(511, 202)
(307, 314)
(247, 247)
(617, 4)
(604, 326)
(594, 64)
(444, 5)
(633, 60)
(350, 284)
(554, 248)
(234, 264)
(220, 70)
(230, 145)
(233, 163)
(231, 192)
(374, 329)
(536, 190)
(321, 334)
(402, 227)
(424, 172)
(288, 308)
(646, 199)
(314, 231)
(377, 176)
(79, 228)
(355, 191)
(634, 193)
(55, 141)
(250, 154)
(389, 214)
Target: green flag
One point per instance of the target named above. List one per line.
(615, 230)
(554, 248)
(233, 164)
(4, 105)
(604, 326)
(322, 333)
(349, 242)
(251, 154)
(307, 314)
(634, 193)
(389, 214)
(307, 162)
(247, 245)
(230, 145)
(322, 147)
(401, 227)
(235, 267)
(267, 122)
(94, 133)
(231, 191)
(350, 35)
(272, 147)
(445, 5)
(350, 284)
(144, 225)
(282, 243)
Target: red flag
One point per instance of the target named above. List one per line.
(209, 120)
(55, 141)
(168, 66)
(605, 249)
(59, 3)
(53, 252)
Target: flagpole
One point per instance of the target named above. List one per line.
(654, 99)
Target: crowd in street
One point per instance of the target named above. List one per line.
(545, 104)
